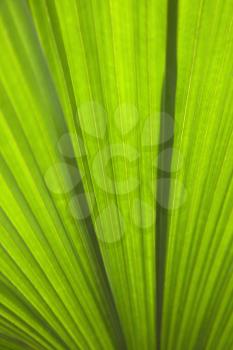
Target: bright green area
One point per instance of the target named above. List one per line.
(84, 86)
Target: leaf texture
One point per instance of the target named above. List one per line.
(116, 174)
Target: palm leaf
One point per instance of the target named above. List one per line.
(116, 174)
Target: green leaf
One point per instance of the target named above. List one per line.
(116, 174)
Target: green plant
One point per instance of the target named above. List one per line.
(116, 174)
